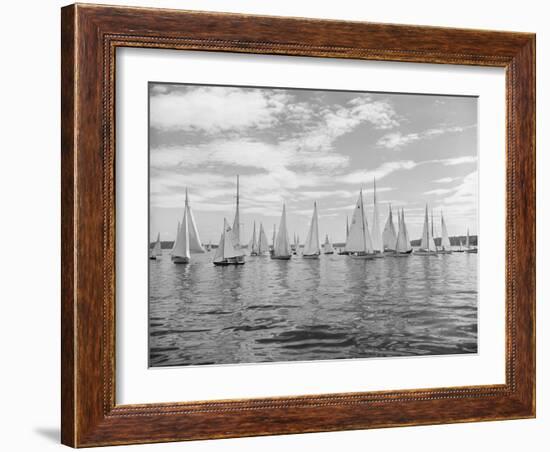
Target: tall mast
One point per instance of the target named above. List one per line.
(432, 214)
(236, 222)
(363, 221)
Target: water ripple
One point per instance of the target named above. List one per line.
(331, 308)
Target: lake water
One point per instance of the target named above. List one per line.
(301, 310)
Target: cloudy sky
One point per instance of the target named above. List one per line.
(299, 146)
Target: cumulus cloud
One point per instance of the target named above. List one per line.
(397, 140)
(444, 180)
(214, 109)
(367, 176)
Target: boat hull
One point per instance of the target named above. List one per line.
(444, 252)
(153, 258)
(472, 251)
(330, 252)
(281, 258)
(406, 254)
(180, 260)
(425, 253)
(311, 256)
(378, 255)
(231, 261)
(361, 256)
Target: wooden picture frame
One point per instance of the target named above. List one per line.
(90, 35)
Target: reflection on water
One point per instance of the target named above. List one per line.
(332, 308)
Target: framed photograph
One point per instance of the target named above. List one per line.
(281, 225)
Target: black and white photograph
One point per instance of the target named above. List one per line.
(290, 224)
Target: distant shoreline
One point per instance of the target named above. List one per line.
(455, 241)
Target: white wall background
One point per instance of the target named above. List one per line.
(30, 273)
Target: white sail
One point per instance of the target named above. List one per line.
(237, 221)
(195, 245)
(229, 249)
(311, 246)
(263, 245)
(181, 248)
(427, 243)
(359, 238)
(407, 238)
(274, 237)
(377, 243)
(433, 247)
(253, 245)
(176, 239)
(445, 242)
(327, 246)
(218, 257)
(402, 244)
(389, 236)
(282, 242)
(157, 250)
(468, 239)
(347, 227)
(424, 242)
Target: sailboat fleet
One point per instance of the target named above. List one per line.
(362, 242)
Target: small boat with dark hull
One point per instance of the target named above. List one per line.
(156, 251)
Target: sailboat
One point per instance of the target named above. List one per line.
(312, 250)
(389, 237)
(227, 253)
(402, 246)
(187, 240)
(209, 246)
(237, 221)
(281, 245)
(359, 244)
(253, 245)
(460, 246)
(156, 251)
(263, 246)
(327, 246)
(176, 239)
(273, 240)
(296, 244)
(427, 244)
(181, 253)
(342, 250)
(445, 242)
(469, 248)
(377, 243)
